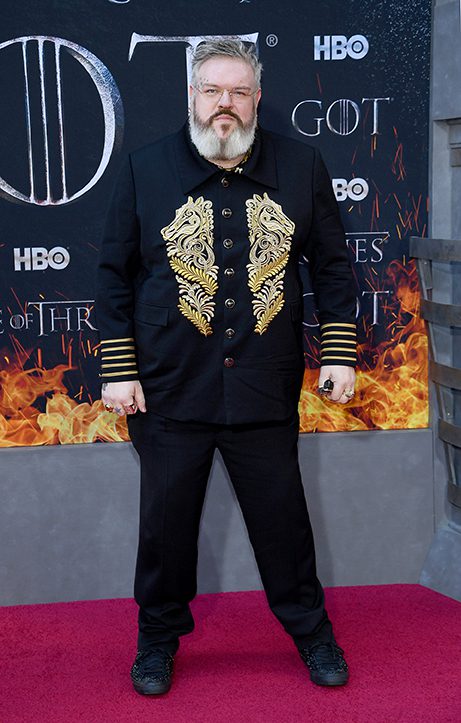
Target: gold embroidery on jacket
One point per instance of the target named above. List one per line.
(190, 252)
(270, 236)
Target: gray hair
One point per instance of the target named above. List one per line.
(230, 48)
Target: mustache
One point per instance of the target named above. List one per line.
(225, 112)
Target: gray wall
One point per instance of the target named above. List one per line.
(69, 516)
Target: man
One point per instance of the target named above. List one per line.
(200, 315)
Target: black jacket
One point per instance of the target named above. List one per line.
(199, 295)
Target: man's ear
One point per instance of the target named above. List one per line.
(191, 93)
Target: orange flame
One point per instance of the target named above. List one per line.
(64, 420)
(393, 394)
(391, 391)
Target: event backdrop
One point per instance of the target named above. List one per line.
(84, 81)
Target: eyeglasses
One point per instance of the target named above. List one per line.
(214, 94)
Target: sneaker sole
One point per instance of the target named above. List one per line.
(151, 688)
(334, 679)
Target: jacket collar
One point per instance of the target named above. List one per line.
(195, 170)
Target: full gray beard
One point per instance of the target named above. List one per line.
(213, 148)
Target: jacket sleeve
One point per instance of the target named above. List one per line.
(117, 269)
(331, 273)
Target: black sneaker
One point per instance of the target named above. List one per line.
(152, 671)
(326, 663)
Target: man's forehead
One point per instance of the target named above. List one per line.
(223, 69)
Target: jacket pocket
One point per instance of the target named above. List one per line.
(148, 314)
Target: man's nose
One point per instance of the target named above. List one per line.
(225, 99)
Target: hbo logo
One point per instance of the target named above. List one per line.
(355, 190)
(338, 47)
(39, 258)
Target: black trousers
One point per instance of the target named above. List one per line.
(262, 461)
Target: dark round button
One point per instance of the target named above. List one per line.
(230, 303)
(226, 212)
(229, 272)
(229, 333)
(229, 362)
(225, 182)
(228, 243)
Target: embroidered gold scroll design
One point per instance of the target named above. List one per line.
(270, 235)
(189, 246)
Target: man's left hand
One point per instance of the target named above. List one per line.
(343, 379)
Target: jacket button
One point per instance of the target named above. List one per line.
(230, 303)
(229, 333)
(229, 362)
(229, 272)
(226, 212)
(228, 243)
(225, 182)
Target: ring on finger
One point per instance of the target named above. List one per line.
(109, 407)
(327, 387)
(349, 393)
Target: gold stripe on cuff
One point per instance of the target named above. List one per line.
(338, 348)
(116, 374)
(117, 341)
(342, 358)
(119, 356)
(343, 333)
(335, 340)
(350, 326)
(117, 348)
(119, 364)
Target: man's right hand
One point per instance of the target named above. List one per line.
(123, 397)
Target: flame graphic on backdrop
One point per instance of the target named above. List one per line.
(391, 390)
(64, 421)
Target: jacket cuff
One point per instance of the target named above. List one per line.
(338, 344)
(118, 360)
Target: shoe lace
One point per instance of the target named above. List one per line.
(325, 651)
(155, 662)
(327, 655)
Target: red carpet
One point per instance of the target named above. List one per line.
(70, 662)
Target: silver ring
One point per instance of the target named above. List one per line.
(349, 393)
